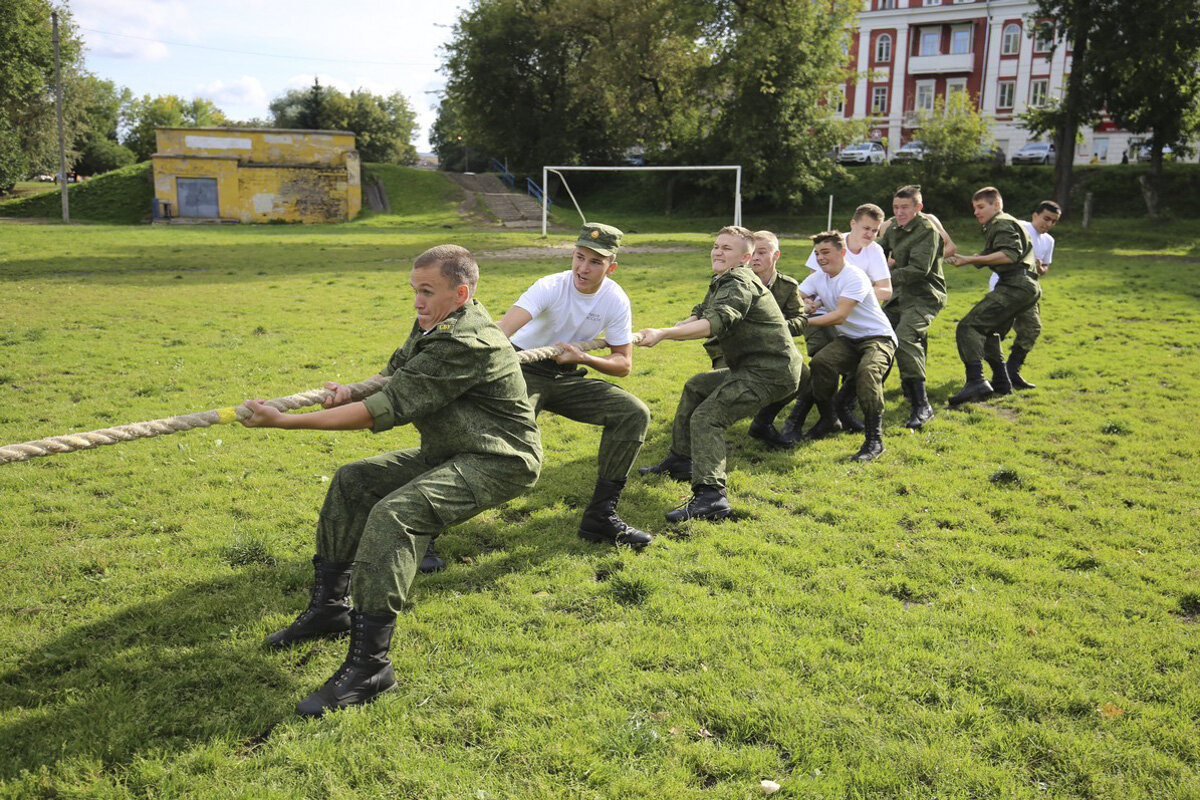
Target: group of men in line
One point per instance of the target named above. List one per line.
(458, 380)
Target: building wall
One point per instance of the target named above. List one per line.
(263, 175)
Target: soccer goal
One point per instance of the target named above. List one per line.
(737, 184)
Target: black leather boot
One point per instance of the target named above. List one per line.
(675, 466)
(328, 612)
(431, 561)
(976, 387)
(1000, 381)
(706, 503)
(922, 411)
(1016, 360)
(364, 675)
(843, 404)
(873, 443)
(793, 427)
(600, 522)
(827, 424)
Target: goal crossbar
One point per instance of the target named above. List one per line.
(737, 187)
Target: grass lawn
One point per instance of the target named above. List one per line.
(1004, 606)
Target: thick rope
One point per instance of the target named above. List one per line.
(219, 416)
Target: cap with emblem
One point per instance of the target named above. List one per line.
(604, 239)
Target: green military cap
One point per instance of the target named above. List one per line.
(604, 239)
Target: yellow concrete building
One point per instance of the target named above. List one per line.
(256, 175)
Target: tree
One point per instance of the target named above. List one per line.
(383, 127)
(98, 142)
(953, 133)
(28, 123)
(140, 116)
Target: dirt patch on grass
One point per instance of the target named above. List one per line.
(562, 250)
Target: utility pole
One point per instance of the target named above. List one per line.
(62, 147)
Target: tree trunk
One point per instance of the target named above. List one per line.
(1073, 107)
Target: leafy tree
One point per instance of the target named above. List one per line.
(383, 127)
(140, 116)
(98, 143)
(28, 120)
(953, 133)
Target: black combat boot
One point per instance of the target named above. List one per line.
(707, 503)
(976, 387)
(843, 404)
(793, 427)
(431, 561)
(1016, 360)
(922, 411)
(827, 424)
(762, 427)
(873, 443)
(600, 522)
(364, 675)
(1000, 382)
(328, 612)
(677, 467)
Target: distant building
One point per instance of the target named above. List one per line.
(907, 53)
(256, 175)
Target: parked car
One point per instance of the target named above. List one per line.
(1147, 150)
(43, 178)
(991, 155)
(863, 153)
(913, 151)
(1035, 153)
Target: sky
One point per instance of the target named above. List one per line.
(241, 54)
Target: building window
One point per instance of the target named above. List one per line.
(883, 48)
(886, 5)
(837, 100)
(1037, 92)
(1012, 40)
(931, 41)
(1006, 92)
(924, 98)
(879, 99)
(954, 86)
(1043, 38)
(960, 41)
(932, 2)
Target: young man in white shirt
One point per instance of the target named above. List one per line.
(1028, 324)
(864, 346)
(579, 304)
(863, 252)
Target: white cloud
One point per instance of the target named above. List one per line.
(244, 91)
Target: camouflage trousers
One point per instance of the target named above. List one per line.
(1027, 327)
(381, 514)
(569, 393)
(910, 320)
(994, 314)
(710, 403)
(867, 359)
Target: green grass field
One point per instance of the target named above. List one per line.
(1005, 606)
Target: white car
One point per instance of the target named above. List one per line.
(862, 153)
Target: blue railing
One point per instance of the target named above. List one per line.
(533, 189)
(506, 176)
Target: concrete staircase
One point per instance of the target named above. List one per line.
(513, 209)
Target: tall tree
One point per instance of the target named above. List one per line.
(383, 127)
(98, 143)
(952, 133)
(140, 116)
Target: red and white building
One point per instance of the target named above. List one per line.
(908, 53)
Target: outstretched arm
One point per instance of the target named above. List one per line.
(350, 417)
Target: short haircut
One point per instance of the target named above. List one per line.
(910, 192)
(457, 263)
(833, 237)
(988, 194)
(742, 233)
(1048, 205)
(766, 236)
(870, 210)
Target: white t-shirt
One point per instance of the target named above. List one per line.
(1043, 248)
(870, 259)
(866, 318)
(562, 313)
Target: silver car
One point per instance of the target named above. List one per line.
(1035, 153)
(863, 153)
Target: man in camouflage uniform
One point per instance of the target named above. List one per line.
(458, 382)
(763, 367)
(578, 305)
(1008, 251)
(915, 251)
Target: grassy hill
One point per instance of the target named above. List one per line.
(123, 196)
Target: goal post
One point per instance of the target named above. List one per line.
(737, 186)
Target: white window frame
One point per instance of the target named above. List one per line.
(1011, 40)
(883, 48)
(886, 5)
(954, 38)
(879, 101)
(1039, 92)
(931, 86)
(931, 2)
(1041, 45)
(1008, 88)
(955, 85)
(925, 33)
